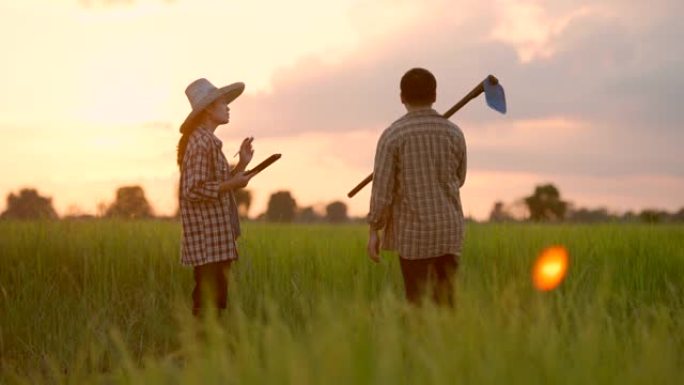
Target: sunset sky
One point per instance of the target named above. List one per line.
(92, 93)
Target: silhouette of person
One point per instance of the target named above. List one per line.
(207, 203)
(420, 165)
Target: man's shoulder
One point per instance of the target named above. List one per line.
(455, 129)
(428, 121)
(392, 130)
(437, 122)
(408, 120)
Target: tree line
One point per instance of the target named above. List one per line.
(545, 204)
(130, 203)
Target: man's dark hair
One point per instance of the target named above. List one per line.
(418, 87)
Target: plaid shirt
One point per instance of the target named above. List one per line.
(209, 218)
(420, 164)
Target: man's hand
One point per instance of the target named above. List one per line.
(373, 246)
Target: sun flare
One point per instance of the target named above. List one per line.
(550, 268)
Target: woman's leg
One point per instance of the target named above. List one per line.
(221, 273)
(211, 286)
(199, 273)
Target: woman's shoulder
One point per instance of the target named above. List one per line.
(199, 141)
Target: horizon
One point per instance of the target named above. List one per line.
(93, 94)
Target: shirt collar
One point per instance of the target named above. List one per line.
(423, 110)
(209, 134)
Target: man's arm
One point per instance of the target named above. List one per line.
(463, 164)
(383, 185)
(381, 194)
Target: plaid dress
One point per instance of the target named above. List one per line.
(420, 165)
(209, 218)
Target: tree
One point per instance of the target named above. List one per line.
(652, 216)
(629, 216)
(679, 215)
(584, 215)
(74, 212)
(28, 204)
(243, 199)
(336, 212)
(499, 213)
(281, 207)
(546, 204)
(101, 209)
(130, 203)
(307, 215)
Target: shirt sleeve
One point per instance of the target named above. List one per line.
(196, 181)
(463, 165)
(383, 184)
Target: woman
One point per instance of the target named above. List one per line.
(207, 204)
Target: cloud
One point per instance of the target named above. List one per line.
(596, 94)
(528, 27)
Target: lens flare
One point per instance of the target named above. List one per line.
(550, 268)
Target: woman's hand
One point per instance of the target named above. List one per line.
(236, 181)
(241, 179)
(246, 152)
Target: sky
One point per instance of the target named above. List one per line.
(92, 94)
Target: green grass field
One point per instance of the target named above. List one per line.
(107, 302)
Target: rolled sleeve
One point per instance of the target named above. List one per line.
(463, 165)
(196, 179)
(383, 185)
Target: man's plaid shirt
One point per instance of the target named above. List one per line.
(420, 164)
(209, 218)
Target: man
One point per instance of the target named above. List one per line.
(420, 165)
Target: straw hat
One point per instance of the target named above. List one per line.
(201, 93)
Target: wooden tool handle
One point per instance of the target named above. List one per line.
(261, 166)
(475, 92)
(361, 185)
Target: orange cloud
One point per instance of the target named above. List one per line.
(531, 30)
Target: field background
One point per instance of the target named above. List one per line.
(108, 302)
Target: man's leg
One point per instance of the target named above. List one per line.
(445, 268)
(415, 273)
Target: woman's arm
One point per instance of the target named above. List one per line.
(236, 181)
(196, 177)
(246, 153)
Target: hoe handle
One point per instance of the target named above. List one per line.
(361, 185)
(475, 92)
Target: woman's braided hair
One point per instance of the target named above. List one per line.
(186, 130)
(182, 144)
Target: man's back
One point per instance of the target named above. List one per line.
(419, 167)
